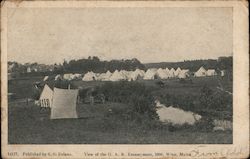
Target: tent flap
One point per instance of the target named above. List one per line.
(64, 103)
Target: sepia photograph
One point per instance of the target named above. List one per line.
(118, 74)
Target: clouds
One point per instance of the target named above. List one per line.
(149, 34)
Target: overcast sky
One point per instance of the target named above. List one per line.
(149, 34)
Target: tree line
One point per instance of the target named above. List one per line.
(100, 66)
(222, 63)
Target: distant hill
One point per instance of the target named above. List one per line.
(194, 65)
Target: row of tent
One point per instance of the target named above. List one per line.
(150, 74)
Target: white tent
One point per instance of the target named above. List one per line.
(104, 76)
(107, 76)
(58, 77)
(176, 73)
(45, 78)
(126, 73)
(222, 72)
(64, 103)
(162, 73)
(89, 76)
(201, 72)
(211, 72)
(68, 76)
(28, 69)
(150, 74)
(171, 72)
(167, 70)
(117, 76)
(46, 96)
(108, 73)
(101, 77)
(184, 73)
(137, 74)
(77, 76)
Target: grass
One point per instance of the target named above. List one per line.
(30, 125)
(96, 125)
(23, 87)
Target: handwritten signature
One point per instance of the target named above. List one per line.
(234, 151)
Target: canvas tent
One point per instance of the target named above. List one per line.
(68, 76)
(105, 76)
(127, 74)
(58, 77)
(177, 72)
(77, 76)
(117, 76)
(108, 73)
(89, 76)
(101, 77)
(222, 73)
(150, 74)
(201, 72)
(162, 73)
(46, 97)
(184, 73)
(137, 74)
(167, 70)
(45, 78)
(211, 72)
(64, 103)
(171, 72)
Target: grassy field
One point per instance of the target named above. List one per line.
(23, 87)
(96, 124)
(30, 125)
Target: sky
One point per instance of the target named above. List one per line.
(49, 36)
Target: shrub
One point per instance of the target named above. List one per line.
(134, 94)
(205, 124)
(215, 100)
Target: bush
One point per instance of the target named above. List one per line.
(215, 100)
(205, 124)
(64, 84)
(135, 94)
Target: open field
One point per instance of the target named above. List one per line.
(23, 87)
(30, 125)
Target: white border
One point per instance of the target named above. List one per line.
(240, 146)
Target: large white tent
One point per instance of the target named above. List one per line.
(201, 72)
(177, 72)
(64, 103)
(167, 69)
(106, 76)
(171, 72)
(68, 76)
(46, 96)
(58, 77)
(137, 74)
(101, 77)
(77, 76)
(150, 74)
(117, 76)
(89, 76)
(108, 73)
(211, 72)
(162, 73)
(184, 73)
(126, 73)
